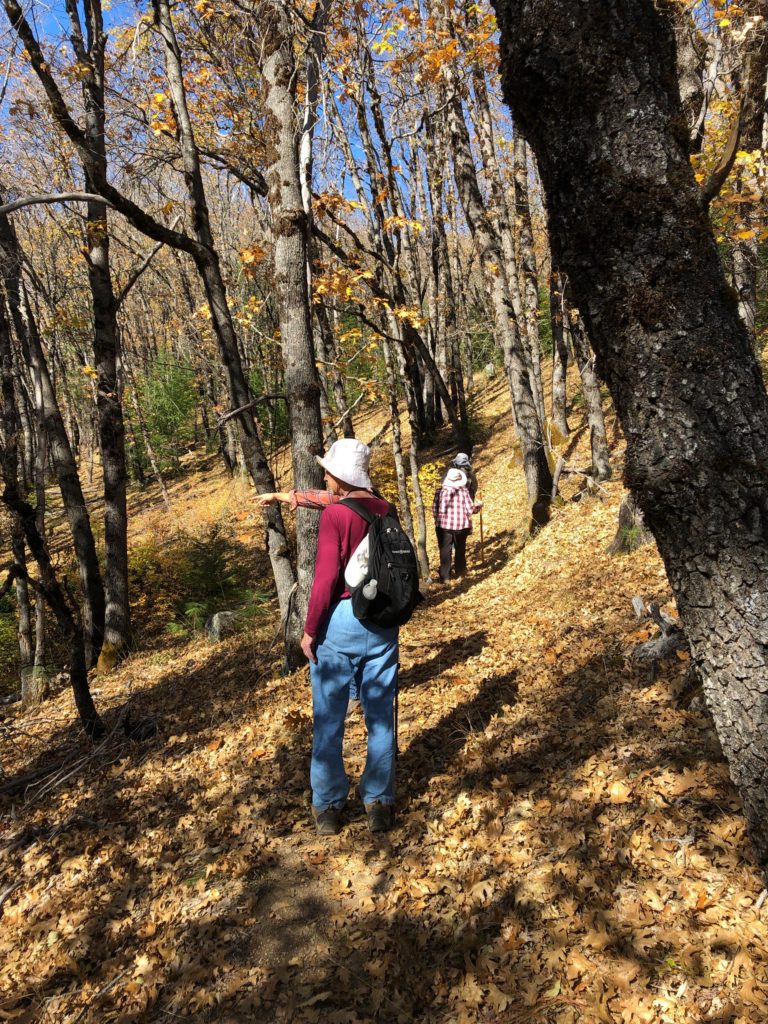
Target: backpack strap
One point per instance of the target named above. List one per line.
(365, 514)
(361, 510)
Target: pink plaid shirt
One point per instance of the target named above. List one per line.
(453, 508)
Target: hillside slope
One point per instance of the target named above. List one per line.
(568, 846)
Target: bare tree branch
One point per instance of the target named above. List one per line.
(257, 401)
(49, 198)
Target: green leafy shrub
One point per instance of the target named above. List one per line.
(168, 400)
(9, 648)
(180, 582)
(631, 538)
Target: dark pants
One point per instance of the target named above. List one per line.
(452, 540)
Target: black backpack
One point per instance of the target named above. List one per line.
(392, 563)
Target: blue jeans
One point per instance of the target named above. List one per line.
(351, 654)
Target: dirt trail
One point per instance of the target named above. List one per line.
(568, 847)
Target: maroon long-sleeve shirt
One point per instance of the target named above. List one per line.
(341, 530)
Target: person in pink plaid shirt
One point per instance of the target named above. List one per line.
(453, 509)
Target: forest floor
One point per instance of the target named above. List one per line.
(568, 845)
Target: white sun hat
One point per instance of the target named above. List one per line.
(462, 459)
(455, 478)
(348, 460)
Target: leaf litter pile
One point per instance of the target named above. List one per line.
(568, 845)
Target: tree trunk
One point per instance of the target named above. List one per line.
(417, 350)
(63, 460)
(447, 318)
(746, 251)
(538, 476)
(290, 224)
(50, 588)
(559, 355)
(332, 372)
(208, 266)
(35, 686)
(406, 518)
(89, 49)
(585, 360)
(746, 259)
(23, 607)
(27, 428)
(411, 405)
(499, 216)
(117, 622)
(631, 531)
(598, 99)
(527, 260)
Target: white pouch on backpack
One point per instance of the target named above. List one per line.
(357, 566)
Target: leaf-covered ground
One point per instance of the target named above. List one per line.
(568, 848)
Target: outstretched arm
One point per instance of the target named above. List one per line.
(299, 499)
(271, 497)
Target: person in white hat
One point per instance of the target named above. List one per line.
(453, 509)
(308, 498)
(343, 651)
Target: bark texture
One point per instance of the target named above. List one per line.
(89, 48)
(22, 512)
(61, 454)
(117, 621)
(290, 230)
(595, 92)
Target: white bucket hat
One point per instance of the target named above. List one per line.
(462, 459)
(455, 478)
(348, 460)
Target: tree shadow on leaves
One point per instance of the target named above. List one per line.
(452, 652)
(259, 952)
(433, 750)
(496, 553)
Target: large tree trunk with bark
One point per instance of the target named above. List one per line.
(117, 621)
(597, 97)
(290, 230)
(89, 48)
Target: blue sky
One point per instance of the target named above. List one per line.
(52, 22)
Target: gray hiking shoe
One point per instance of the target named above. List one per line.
(327, 822)
(380, 816)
